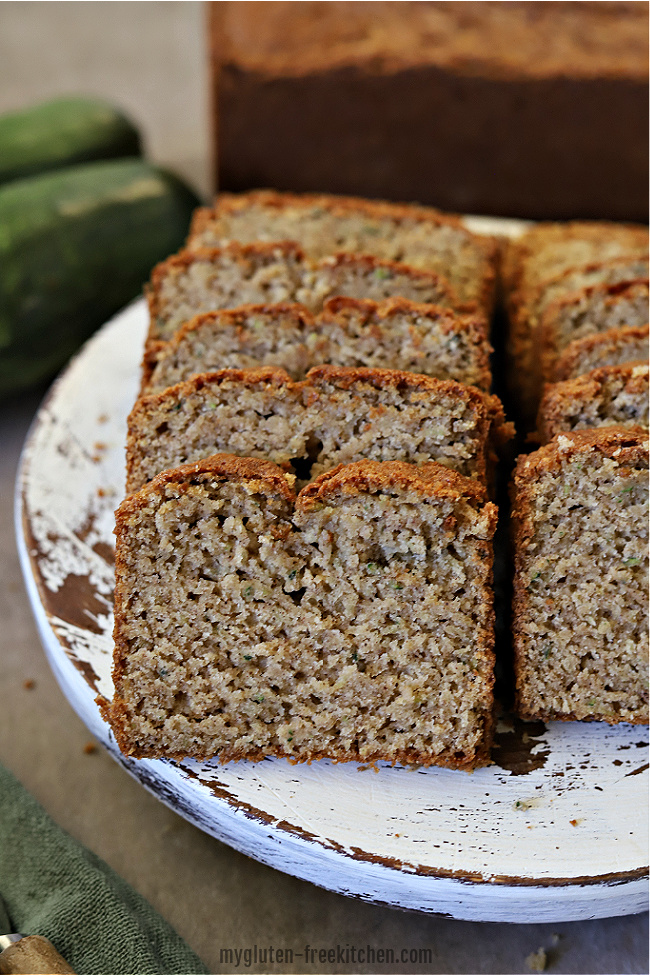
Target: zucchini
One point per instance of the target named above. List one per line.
(76, 246)
(63, 132)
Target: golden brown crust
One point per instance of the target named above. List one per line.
(629, 444)
(346, 376)
(449, 321)
(173, 395)
(116, 714)
(266, 475)
(268, 375)
(343, 377)
(337, 205)
(152, 351)
(430, 480)
(523, 308)
(518, 42)
(522, 252)
(239, 315)
(229, 317)
(535, 261)
(201, 218)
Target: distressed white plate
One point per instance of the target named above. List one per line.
(556, 831)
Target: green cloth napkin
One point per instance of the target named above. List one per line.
(53, 886)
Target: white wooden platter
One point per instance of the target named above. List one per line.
(556, 830)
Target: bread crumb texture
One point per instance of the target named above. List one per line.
(611, 396)
(581, 577)
(392, 334)
(334, 416)
(210, 279)
(353, 622)
(322, 224)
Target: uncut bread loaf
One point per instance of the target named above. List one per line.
(336, 415)
(580, 612)
(208, 279)
(392, 334)
(534, 110)
(322, 224)
(611, 396)
(611, 348)
(354, 623)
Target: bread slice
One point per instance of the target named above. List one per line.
(192, 282)
(283, 336)
(246, 412)
(385, 414)
(203, 280)
(547, 250)
(526, 310)
(410, 336)
(580, 613)
(614, 347)
(611, 396)
(589, 311)
(548, 262)
(323, 225)
(392, 334)
(354, 623)
(336, 415)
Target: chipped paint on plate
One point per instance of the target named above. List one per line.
(555, 830)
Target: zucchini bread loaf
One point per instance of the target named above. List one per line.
(336, 415)
(535, 110)
(580, 515)
(611, 396)
(353, 623)
(392, 334)
(322, 225)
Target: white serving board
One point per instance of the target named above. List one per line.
(556, 830)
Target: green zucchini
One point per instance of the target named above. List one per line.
(76, 246)
(63, 132)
